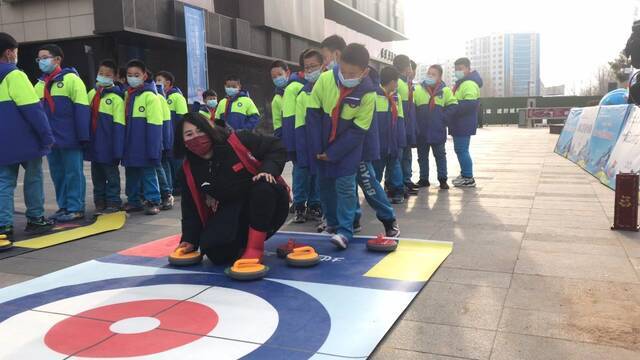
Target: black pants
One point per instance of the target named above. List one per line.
(265, 208)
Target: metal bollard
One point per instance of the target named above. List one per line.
(626, 204)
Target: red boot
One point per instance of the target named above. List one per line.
(255, 245)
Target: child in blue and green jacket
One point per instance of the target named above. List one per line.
(339, 113)
(237, 109)
(26, 136)
(391, 129)
(107, 138)
(143, 141)
(64, 97)
(178, 107)
(208, 110)
(405, 89)
(435, 104)
(163, 171)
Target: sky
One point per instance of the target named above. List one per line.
(576, 36)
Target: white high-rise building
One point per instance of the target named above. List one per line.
(509, 64)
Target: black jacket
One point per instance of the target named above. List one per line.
(221, 179)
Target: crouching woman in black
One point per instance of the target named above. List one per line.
(233, 198)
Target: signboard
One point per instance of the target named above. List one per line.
(625, 156)
(197, 70)
(548, 113)
(603, 138)
(564, 141)
(578, 150)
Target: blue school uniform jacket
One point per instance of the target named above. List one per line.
(371, 145)
(143, 130)
(289, 111)
(25, 133)
(303, 156)
(69, 118)
(107, 133)
(467, 91)
(355, 116)
(178, 107)
(432, 117)
(391, 133)
(405, 90)
(240, 113)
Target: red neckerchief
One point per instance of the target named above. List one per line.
(95, 109)
(410, 85)
(212, 114)
(130, 92)
(47, 92)
(394, 108)
(432, 93)
(335, 113)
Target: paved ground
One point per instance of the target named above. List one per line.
(535, 272)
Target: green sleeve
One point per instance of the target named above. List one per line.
(78, 92)
(251, 108)
(399, 105)
(276, 112)
(449, 98)
(301, 110)
(220, 109)
(364, 116)
(155, 113)
(21, 91)
(180, 103)
(118, 110)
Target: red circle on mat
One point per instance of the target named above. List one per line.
(88, 333)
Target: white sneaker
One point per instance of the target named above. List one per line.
(340, 241)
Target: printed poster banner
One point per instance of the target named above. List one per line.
(625, 156)
(603, 138)
(579, 148)
(197, 71)
(562, 146)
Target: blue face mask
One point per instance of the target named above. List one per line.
(312, 76)
(429, 81)
(348, 83)
(104, 81)
(134, 82)
(46, 65)
(281, 81)
(231, 91)
(459, 74)
(211, 104)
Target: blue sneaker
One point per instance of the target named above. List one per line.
(57, 214)
(70, 216)
(340, 241)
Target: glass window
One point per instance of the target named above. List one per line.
(499, 111)
(488, 111)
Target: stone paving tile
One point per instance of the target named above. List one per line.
(471, 277)
(441, 339)
(388, 353)
(568, 238)
(474, 256)
(522, 347)
(574, 248)
(576, 266)
(457, 304)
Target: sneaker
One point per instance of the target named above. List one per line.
(167, 202)
(130, 208)
(70, 216)
(6, 230)
(398, 198)
(38, 226)
(322, 226)
(328, 230)
(357, 227)
(466, 182)
(411, 185)
(340, 241)
(57, 214)
(112, 209)
(391, 228)
(299, 217)
(314, 213)
(151, 208)
(100, 205)
(444, 185)
(457, 180)
(292, 209)
(411, 192)
(423, 183)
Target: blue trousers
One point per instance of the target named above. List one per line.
(176, 169)
(305, 187)
(461, 147)
(141, 179)
(168, 173)
(106, 184)
(374, 193)
(390, 167)
(33, 190)
(439, 153)
(66, 167)
(407, 160)
(340, 200)
(164, 181)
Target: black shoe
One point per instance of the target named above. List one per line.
(100, 205)
(6, 230)
(151, 208)
(444, 185)
(423, 183)
(167, 202)
(411, 192)
(314, 213)
(357, 227)
(397, 198)
(411, 185)
(391, 228)
(299, 215)
(131, 208)
(38, 226)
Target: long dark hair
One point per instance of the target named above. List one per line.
(218, 134)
